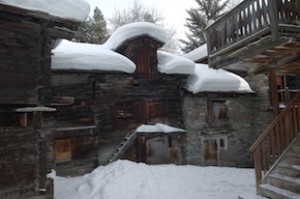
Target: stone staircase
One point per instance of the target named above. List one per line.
(283, 181)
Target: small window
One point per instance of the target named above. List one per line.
(13, 119)
(124, 110)
(217, 113)
(223, 143)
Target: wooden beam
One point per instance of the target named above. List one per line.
(276, 63)
(250, 50)
(274, 93)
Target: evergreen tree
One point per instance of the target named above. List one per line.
(199, 18)
(93, 30)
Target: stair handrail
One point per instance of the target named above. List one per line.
(276, 138)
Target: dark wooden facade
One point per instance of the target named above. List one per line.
(113, 104)
(26, 38)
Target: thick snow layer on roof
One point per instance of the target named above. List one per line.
(134, 30)
(174, 64)
(77, 10)
(198, 53)
(158, 128)
(91, 57)
(206, 79)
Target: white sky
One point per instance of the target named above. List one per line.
(173, 11)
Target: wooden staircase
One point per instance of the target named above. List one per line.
(277, 155)
(123, 146)
(284, 180)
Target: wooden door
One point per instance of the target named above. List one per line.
(63, 150)
(210, 152)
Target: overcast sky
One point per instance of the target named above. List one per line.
(173, 11)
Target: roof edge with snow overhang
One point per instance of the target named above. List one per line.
(197, 54)
(134, 30)
(206, 79)
(75, 10)
(174, 64)
(89, 57)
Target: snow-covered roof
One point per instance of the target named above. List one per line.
(174, 64)
(158, 128)
(206, 79)
(89, 57)
(77, 10)
(197, 54)
(134, 30)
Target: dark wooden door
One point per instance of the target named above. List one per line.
(63, 150)
(210, 152)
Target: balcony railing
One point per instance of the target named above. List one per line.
(251, 20)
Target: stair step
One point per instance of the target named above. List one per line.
(292, 158)
(273, 192)
(296, 148)
(288, 170)
(285, 182)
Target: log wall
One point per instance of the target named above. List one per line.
(25, 56)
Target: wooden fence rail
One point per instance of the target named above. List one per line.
(275, 139)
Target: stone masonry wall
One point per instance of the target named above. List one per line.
(248, 115)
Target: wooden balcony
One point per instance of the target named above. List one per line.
(257, 35)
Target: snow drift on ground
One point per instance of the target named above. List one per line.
(174, 64)
(89, 57)
(77, 10)
(128, 180)
(207, 79)
(133, 30)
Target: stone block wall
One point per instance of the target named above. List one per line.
(248, 116)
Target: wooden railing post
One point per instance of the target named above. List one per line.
(258, 168)
(274, 19)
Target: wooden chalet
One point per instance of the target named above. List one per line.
(263, 36)
(26, 40)
(103, 107)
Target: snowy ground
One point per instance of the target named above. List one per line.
(129, 180)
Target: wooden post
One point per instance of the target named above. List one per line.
(258, 168)
(42, 150)
(23, 120)
(274, 93)
(274, 19)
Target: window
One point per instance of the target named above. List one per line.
(124, 110)
(212, 146)
(13, 119)
(217, 113)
